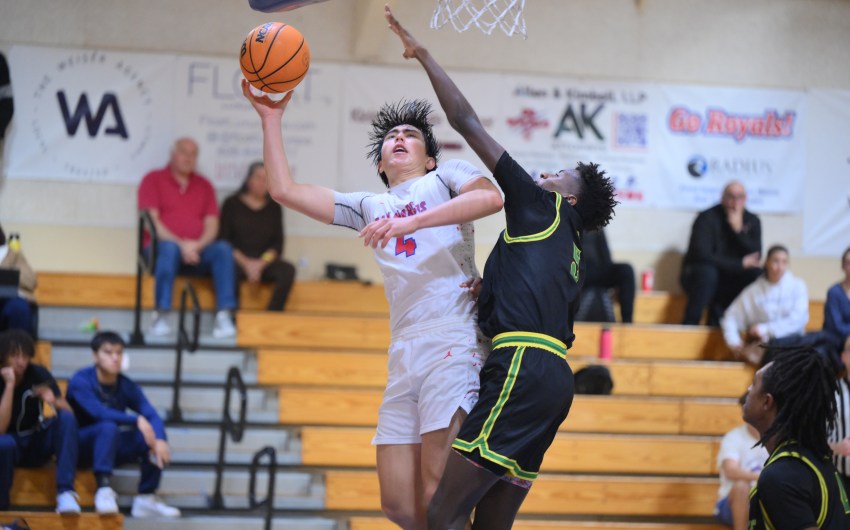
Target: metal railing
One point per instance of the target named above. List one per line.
(268, 502)
(185, 342)
(144, 264)
(229, 427)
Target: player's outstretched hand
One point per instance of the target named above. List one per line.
(381, 231)
(410, 44)
(263, 104)
(473, 285)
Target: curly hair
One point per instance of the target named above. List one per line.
(596, 201)
(414, 113)
(15, 341)
(803, 387)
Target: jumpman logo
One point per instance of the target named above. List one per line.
(449, 354)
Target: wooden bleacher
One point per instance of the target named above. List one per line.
(54, 521)
(37, 487)
(321, 296)
(376, 523)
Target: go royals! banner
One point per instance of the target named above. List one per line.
(101, 116)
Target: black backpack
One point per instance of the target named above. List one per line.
(594, 379)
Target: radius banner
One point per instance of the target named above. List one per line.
(710, 136)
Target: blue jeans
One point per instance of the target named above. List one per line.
(59, 437)
(216, 258)
(103, 446)
(15, 313)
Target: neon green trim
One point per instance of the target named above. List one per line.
(540, 235)
(520, 339)
(824, 493)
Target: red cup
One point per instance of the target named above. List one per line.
(647, 279)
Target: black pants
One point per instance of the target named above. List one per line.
(621, 277)
(709, 287)
(282, 275)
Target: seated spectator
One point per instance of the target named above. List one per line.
(109, 436)
(253, 225)
(740, 461)
(723, 256)
(184, 209)
(836, 311)
(602, 272)
(27, 438)
(17, 312)
(775, 306)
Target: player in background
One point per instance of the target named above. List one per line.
(527, 301)
(436, 351)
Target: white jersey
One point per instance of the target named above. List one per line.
(422, 272)
(740, 446)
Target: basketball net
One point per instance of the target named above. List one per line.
(486, 15)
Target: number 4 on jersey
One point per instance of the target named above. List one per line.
(408, 246)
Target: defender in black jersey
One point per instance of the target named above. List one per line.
(791, 403)
(530, 288)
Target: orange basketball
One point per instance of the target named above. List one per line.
(274, 57)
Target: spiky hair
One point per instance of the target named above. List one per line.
(596, 200)
(405, 112)
(803, 386)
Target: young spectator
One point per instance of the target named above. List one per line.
(836, 311)
(184, 209)
(27, 439)
(723, 256)
(775, 306)
(740, 461)
(17, 312)
(253, 225)
(603, 272)
(109, 436)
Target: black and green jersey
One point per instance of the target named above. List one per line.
(798, 490)
(533, 275)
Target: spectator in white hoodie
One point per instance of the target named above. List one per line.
(775, 306)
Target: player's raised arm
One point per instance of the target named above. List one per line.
(461, 116)
(311, 200)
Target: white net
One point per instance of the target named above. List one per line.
(486, 15)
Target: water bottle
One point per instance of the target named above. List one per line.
(606, 344)
(15, 242)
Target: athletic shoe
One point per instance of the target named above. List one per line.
(67, 503)
(105, 500)
(152, 506)
(159, 325)
(224, 327)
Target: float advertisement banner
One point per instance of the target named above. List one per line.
(826, 218)
(88, 115)
(711, 136)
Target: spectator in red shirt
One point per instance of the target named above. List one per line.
(184, 209)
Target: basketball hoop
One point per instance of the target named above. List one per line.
(486, 15)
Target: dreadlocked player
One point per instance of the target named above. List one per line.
(792, 405)
(530, 288)
(435, 354)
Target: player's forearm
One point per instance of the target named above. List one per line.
(464, 208)
(461, 115)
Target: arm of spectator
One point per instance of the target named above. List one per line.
(210, 231)
(86, 398)
(162, 231)
(832, 308)
(139, 403)
(733, 323)
(733, 471)
(6, 397)
(794, 319)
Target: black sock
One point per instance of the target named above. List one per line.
(102, 480)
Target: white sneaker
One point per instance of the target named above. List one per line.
(152, 506)
(159, 325)
(67, 502)
(224, 327)
(105, 500)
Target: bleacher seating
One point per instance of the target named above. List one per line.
(54, 521)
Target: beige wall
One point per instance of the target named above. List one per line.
(793, 44)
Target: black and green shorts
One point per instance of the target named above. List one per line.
(526, 392)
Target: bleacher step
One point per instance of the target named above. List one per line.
(200, 404)
(200, 445)
(157, 364)
(227, 522)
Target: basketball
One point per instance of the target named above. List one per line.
(275, 57)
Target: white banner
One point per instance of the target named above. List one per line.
(713, 135)
(826, 218)
(89, 115)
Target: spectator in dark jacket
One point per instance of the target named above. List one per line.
(603, 272)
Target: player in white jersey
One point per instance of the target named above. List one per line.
(435, 353)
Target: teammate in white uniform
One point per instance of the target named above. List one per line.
(435, 353)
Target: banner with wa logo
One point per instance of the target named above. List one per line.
(89, 115)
